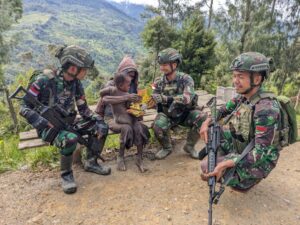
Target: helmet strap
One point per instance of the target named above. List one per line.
(74, 75)
(172, 69)
(252, 85)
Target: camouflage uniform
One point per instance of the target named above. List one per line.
(259, 122)
(66, 92)
(256, 118)
(50, 88)
(180, 108)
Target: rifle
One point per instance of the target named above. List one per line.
(211, 149)
(55, 115)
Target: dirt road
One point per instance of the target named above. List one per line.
(170, 193)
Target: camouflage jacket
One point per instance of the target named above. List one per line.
(262, 125)
(56, 90)
(180, 91)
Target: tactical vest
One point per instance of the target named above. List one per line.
(54, 92)
(175, 110)
(241, 122)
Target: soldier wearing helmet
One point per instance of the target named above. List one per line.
(176, 104)
(252, 119)
(64, 88)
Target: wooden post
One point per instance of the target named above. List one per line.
(297, 100)
(12, 111)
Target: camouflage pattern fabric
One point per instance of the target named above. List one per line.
(182, 91)
(66, 94)
(259, 162)
(251, 61)
(169, 55)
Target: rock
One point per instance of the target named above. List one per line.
(169, 218)
(287, 201)
(36, 220)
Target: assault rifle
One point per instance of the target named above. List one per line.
(56, 116)
(211, 149)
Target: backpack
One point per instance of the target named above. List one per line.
(288, 131)
(51, 87)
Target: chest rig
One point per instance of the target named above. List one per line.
(240, 125)
(174, 110)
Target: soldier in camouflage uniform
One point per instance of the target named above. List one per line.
(250, 115)
(176, 104)
(64, 87)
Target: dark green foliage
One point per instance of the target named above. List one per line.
(196, 44)
(158, 34)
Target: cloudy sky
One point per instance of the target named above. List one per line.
(155, 2)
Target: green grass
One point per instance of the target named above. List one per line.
(11, 158)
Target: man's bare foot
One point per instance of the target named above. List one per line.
(121, 164)
(140, 164)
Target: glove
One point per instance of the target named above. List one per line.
(158, 98)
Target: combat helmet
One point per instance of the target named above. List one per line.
(75, 55)
(169, 55)
(252, 62)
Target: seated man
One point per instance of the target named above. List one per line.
(64, 88)
(176, 104)
(131, 129)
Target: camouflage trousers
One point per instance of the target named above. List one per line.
(246, 174)
(67, 141)
(163, 123)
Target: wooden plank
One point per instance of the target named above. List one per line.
(30, 139)
(31, 144)
(28, 135)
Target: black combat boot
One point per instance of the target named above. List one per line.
(165, 141)
(67, 180)
(191, 140)
(91, 165)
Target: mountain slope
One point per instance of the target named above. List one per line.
(106, 31)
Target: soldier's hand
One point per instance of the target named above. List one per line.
(204, 130)
(158, 98)
(219, 170)
(134, 98)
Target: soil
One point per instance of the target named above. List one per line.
(170, 193)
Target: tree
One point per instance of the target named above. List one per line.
(158, 35)
(169, 9)
(196, 45)
(10, 12)
(267, 26)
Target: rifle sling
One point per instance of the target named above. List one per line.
(229, 173)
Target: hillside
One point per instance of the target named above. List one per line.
(100, 26)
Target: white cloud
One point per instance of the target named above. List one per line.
(217, 3)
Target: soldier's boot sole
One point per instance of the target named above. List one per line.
(162, 154)
(191, 151)
(98, 169)
(67, 183)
